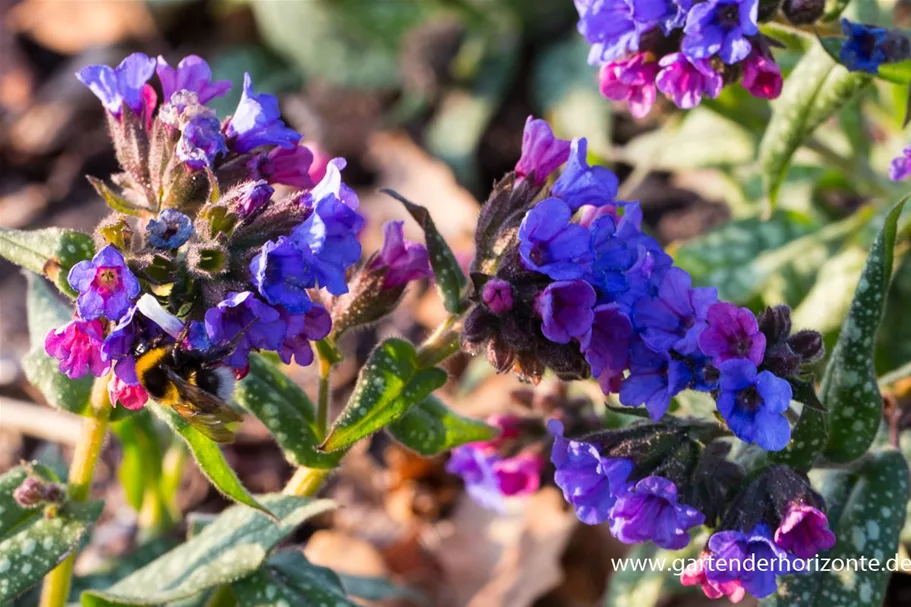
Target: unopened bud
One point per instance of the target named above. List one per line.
(216, 219)
(808, 345)
(35, 492)
(497, 295)
(803, 12)
(767, 10)
(775, 324)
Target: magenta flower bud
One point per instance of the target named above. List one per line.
(133, 397)
(77, 345)
(695, 575)
(30, 493)
(761, 77)
(804, 531)
(631, 80)
(497, 295)
(542, 152)
(285, 166)
(403, 260)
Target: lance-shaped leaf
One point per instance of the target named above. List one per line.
(40, 543)
(114, 200)
(814, 91)
(288, 578)
(849, 388)
(286, 411)
(50, 252)
(448, 274)
(430, 428)
(209, 458)
(45, 313)
(388, 385)
(808, 438)
(236, 544)
(866, 520)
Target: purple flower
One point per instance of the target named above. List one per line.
(170, 230)
(331, 184)
(252, 196)
(404, 260)
(551, 244)
(608, 25)
(497, 295)
(761, 76)
(732, 332)
(676, 316)
(201, 141)
(259, 326)
(720, 27)
(118, 346)
(739, 552)
(589, 482)
(654, 378)
(580, 184)
(606, 346)
(804, 531)
(901, 166)
(613, 256)
(686, 81)
(105, 284)
(330, 235)
(285, 166)
(302, 329)
(257, 122)
(865, 48)
(649, 510)
(282, 273)
(77, 345)
(542, 153)
(120, 85)
(191, 74)
(753, 404)
(474, 463)
(565, 309)
(631, 80)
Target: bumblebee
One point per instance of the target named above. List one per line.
(191, 382)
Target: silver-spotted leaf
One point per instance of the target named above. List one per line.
(288, 578)
(430, 428)
(50, 252)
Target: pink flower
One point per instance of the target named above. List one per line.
(631, 80)
(732, 332)
(542, 152)
(132, 397)
(761, 77)
(694, 575)
(685, 81)
(804, 531)
(404, 260)
(77, 345)
(320, 161)
(287, 166)
(519, 475)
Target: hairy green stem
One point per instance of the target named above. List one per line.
(322, 403)
(56, 587)
(442, 343)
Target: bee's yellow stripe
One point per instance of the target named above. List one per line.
(152, 359)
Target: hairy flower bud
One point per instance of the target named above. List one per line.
(775, 324)
(35, 492)
(808, 345)
(803, 12)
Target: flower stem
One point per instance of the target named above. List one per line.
(307, 481)
(322, 406)
(442, 343)
(56, 588)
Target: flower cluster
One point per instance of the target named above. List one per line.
(685, 49)
(214, 256)
(500, 468)
(587, 293)
(867, 47)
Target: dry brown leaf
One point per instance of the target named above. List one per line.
(345, 553)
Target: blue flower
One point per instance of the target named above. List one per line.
(589, 481)
(654, 378)
(330, 236)
(734, 558)
(649, 511)
(257, 324)
(606, 345)
(191, 74)
(257, 122)
(669, 14)
(864, 50)
(120, 85)
(580, 184)
(608, 25)
(282, 274)
(720, 27)
(170, 231)
(565, 309)
(551, 244)
(201, 140)
(753, 404)
(676, 316)
(303, 329)
(613, 256)
(105, 284)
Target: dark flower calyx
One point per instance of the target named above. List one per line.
(808, 345)
(803, 12)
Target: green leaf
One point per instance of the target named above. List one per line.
(288, 578)
(893, 343)
(814, 91)
(807, 440)
(866, 512)
(236, 544)
(388, 385)
(114, 200)
(826, 304)
(140, 466)
(45, 313)
(849, 389)
(209, 458)
(449, 277)
(286, 411)
(379, 589)
(41, 543)
(430, 428)
(50, 252)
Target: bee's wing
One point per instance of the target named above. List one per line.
(204, 411)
